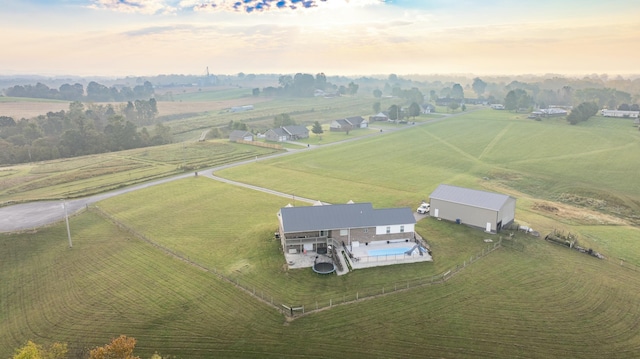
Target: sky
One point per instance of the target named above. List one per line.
(336, 37)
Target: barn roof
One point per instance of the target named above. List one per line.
(342, 216)
(470, 197)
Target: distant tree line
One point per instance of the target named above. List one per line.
(82, 130)
(76, 92)
(305, 85)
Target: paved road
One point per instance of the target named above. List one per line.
(32, 215)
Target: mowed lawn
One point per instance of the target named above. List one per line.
(540, 301)
(545, 301)
(230, 230)
(588, 167)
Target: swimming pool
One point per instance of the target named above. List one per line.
(387, 251)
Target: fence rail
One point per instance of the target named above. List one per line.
(320, 303)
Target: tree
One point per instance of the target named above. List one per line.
(414, 110)
(317, 128)
(453, 105)
(376, 107)
(582, 112)
(394, 112)
(256, 92)
(7, 121)
(463, 107)
(303, 85)
(353, 88)
(478, 86)
(377, 93)
(32, 350)
(119, 348)
(457, 92)
(321, 81)
(516, 99)
(283, 119)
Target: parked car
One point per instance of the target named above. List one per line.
(424, 208)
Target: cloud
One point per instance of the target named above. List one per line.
(239, 6)
(134, 6)
(249, 6)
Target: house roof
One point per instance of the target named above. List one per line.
(342, 216)
(341, 123)
(239, 134)
(470, 197)
(279, 131)
(296, 130)
(355, 120)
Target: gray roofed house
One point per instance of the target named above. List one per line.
(236, 135)
(379, 117)
(349, 123)
(287, 133)
(482, 209)
(313, 227)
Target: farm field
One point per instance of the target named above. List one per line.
(532, 299)
(19, 108)
(88, 175)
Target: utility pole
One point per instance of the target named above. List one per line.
(66, 218)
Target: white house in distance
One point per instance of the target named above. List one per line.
(349, 123)
(620, 113)
(488, 210)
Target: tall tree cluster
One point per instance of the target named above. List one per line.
(81, 130)
(305, 85)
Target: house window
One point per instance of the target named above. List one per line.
(344, 232)
(401, 229)
(366, 230)
(388, 230)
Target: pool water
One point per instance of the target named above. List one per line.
(387, 251)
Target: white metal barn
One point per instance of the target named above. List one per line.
(482, 209)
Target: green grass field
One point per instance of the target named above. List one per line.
(531, 300)
(83, 176)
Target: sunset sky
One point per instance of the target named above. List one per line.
(337, 37)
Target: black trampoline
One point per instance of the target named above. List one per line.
(324, 268)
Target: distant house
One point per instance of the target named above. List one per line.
(474, 101)
(497, 106)
(241, 108)
(446, 101)
(636, 122)
(481, 209)
(427, 108)
(310, 228)
(619, 113)
(548, 112)
(287, 133)
(348, 123)
(379, 117)
(236, 135)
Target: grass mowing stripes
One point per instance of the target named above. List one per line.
(538, 302)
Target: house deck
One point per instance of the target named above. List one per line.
(362, 256)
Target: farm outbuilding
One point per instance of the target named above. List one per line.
(487, 210)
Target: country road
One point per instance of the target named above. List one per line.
(28, 216)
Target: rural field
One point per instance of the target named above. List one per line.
(191, 269)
